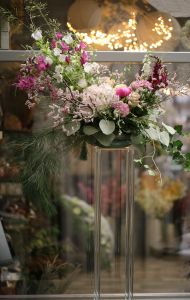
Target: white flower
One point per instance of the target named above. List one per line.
(60, 92)
(58, 69)
(48, 60)
(69, 69)
(82, 83)
(91, 67)
(58, 77)
(68, 39)
(57, 51)
(62, 57)
(37, 35)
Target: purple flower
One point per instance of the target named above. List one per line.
(121, 108)
(64, 46)
(84, 57)
(59, 35)
(123, 91)
(25, 83)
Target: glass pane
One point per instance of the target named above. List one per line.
(114, 25)
(54, 253)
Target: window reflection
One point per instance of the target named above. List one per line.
(54, 249)
(135, 25)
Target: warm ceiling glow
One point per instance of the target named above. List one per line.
(126, 37)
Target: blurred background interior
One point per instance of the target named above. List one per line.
(53, 248)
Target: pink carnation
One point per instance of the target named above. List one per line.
(123, 91)
(122, 108)
(141, 84)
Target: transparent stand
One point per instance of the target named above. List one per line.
(124, 159)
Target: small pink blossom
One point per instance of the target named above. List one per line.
(81, 46)
(59, 35)
(64, 46)
(122, 108)
(84, 57)
(53, 44)
(42, 65)
(123, 91)
(68, 59)
(141, 84)
(25, 83)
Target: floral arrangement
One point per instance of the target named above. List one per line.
(91, 105)
(157, 200)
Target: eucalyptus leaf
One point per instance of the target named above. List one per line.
(170, 129)
(153, 133)
(107, 127)
(90, 130)
(164, 138)
(71, 128)
(105, 140)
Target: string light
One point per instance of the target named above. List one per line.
(126, 37)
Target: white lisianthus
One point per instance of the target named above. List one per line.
(91, 68)
(37, 35)
(68, 39)
(48, 60)
(62, 57)
(58, 69)
(58, 77)
(82, 83)
(57, 51)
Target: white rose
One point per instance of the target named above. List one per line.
(82, 83)
(37, 35)
(48, 60)
(57, 51)
(58, 69)
(62, 57)
(58, 77)
(68, 39)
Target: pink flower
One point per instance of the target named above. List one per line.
(25, 83)
(64, 46)
(121, 108)
(141, 84)
(68, 59)
(84, 57)
(123, 91)
(53, 44)
(41, 64)
(59, 35)
(81, 46)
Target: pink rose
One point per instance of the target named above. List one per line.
(123, 91)
(53, 44)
